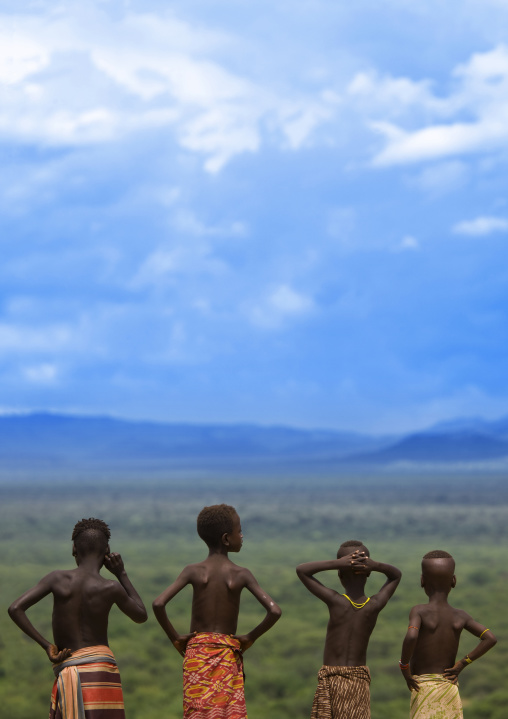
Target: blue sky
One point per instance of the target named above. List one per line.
(278, 212)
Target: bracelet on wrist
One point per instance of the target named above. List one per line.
(403, 666)
(467, 659)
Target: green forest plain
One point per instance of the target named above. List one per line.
(284, 523)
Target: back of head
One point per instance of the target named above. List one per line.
(352, 545)
(438, 570)
(215, 521)
(91, 536)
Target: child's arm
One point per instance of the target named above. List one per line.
(306, 573)
(159, 608)
(391, 573)
(408, 647)
(273, 612)
(17, 612)
(127, 599)
(487, 641)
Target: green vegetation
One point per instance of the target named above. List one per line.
(154, 529)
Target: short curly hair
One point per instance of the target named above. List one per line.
(437, 554)
(214, 521)
(91, 535)
(350, 543)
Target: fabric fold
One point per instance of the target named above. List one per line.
(437, 698)
(342, 693)
(213, 680)
(87, 686)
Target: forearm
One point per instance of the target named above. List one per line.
(310, 568)
(19, 617)
(408, 646)
(132, 593)
(272, 616)
(161, 615)
(487, 641)
(391, 573)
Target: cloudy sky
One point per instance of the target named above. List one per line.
(280, 211)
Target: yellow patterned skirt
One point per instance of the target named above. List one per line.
(437, 698)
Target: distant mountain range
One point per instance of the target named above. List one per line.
(43, 443)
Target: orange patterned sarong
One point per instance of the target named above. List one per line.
(87, 686)
(213, 678)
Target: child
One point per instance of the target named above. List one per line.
(82, 600)
(432, 640)
(343, 680)
(213, 665)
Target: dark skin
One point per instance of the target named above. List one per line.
(217, 584)
(82, 600)
(432, 639)
(349, 629)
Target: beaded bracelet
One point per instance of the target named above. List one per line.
(403, 666)
(467, 659)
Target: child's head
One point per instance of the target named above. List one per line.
(352, 545)
(90, 536)
(215, 522)
(438, 571)
(347, 548)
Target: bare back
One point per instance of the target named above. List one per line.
(349, 631)
(440, 627)
(217, 584)
(82, 602)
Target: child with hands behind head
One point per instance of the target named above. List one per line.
(428, 662)
(344, 679)
(213, 681)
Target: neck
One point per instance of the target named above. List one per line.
(90, 563)
(220, 551)
(354, 586)
(438, 596)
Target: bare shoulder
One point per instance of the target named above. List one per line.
(419, 610)
(58, 577)
(242, 576)
(461, 615)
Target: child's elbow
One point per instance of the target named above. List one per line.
(13, 610)
(276, 612)
(158, 606)
(142, 617)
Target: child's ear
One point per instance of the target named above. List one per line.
(225, 539)
(422, 583)
(74, 553)
(108, 550)
(454, 581)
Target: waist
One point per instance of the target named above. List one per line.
(87, 655)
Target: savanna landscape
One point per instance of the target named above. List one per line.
(285, 522)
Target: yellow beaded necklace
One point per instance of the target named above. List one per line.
(355, 604)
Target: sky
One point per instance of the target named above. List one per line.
(279, 212)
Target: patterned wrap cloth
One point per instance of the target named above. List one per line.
(437, 698)
(342, 693)
(213, 678)
(87, 686)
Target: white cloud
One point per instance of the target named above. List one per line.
(409, 242)
(477, 110)
(78, 77)
(28, 339)
(442, 178)
(41, 374)
(281, 304)
(481, 226)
